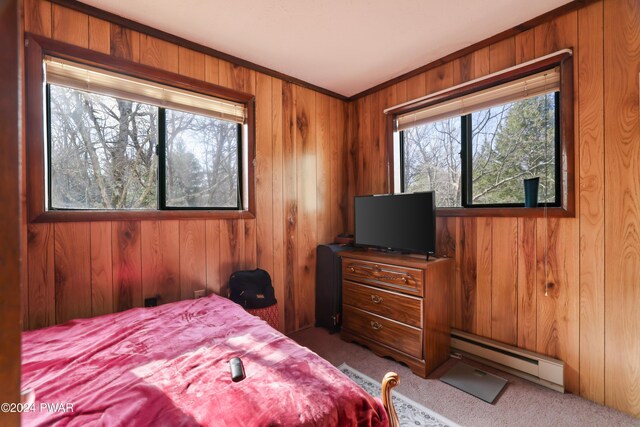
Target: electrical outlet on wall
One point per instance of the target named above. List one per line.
(199, 293)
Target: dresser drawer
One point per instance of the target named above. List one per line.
(382, 330)
(394, 277)
(403, 308)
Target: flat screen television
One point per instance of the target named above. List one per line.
(398, 222)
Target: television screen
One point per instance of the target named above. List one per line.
(404, 222)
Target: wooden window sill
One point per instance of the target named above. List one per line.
(555, 212)
(141, 215)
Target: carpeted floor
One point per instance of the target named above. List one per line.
(522, 403)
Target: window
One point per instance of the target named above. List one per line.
(109, 152)
(475, 147)
(122, 140)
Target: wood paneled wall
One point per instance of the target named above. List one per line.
(91, 268)
(11, 116)
(564, 287)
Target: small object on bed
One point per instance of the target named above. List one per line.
(237, 369)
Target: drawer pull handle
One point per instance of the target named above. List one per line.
(375, 325)
(351, 269)
(376, 299)
(404, 279)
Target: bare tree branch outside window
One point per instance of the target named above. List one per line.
(432, 160)
(102, 151)
(103, 155)
(202, 161)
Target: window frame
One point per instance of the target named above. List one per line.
(565, 144)
(36, 48)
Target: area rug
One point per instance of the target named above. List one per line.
(410, 413)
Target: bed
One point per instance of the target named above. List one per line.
(169, 366)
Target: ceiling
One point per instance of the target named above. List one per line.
(345, 46)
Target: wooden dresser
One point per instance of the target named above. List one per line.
(398, 306)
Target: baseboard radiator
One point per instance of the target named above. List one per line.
(532, 366)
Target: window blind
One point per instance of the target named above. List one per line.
(537, 84)
(87, 78)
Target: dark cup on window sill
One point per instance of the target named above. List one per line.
(531, 192)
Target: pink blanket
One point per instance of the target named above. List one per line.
(168, 366)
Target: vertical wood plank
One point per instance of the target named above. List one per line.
(323, 168)
(401, 91)
(191, 63)
(101, 269)
(622, 205)
(558, 295)
(127, 265)
(439, 78)
(416, 86)
(72, 266)
(527, 295)
(214, 278)
(466, 275)
(484, 276)
(160, 245)
(41, 288)
(278, 219)
(264, 174)
(70, 26)
(504, 280)
(481, 62)
(99, 35)
(352, 157)
(211, 69)
(125, 43)
(159, 53)
(502, 54)
(525, 46)
(463, 69)
(375, 140)
(290, 191)
(231, 250)
(249, 257)
(364, 146)
(307, 213)
(193, 257)
(249, 77)
(592, 254)
(446, 235)
(37, 17)
(231, 75)
(337, 149)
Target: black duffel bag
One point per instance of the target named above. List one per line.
(252, 289)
